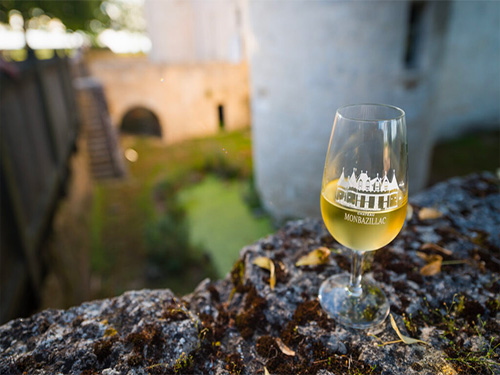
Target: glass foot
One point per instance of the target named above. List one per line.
(365, 311)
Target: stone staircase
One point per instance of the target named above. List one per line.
(106, 159)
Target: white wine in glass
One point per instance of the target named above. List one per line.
(363, 203)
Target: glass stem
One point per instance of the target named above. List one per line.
(354, 287)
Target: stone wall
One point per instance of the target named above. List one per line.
(241, 325)
(184, 97)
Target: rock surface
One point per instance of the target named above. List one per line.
(240, 325)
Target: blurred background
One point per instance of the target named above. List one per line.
(143, 143)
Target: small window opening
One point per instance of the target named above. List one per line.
(414, 34)
(220, 111)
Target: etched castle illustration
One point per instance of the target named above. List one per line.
(367, 193)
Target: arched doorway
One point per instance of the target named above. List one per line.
(141, 121)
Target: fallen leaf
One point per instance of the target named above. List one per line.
(266, 263)
(433, 266)
(428, 213)
(265, 371)
(422, 255)
(110, 332)
(409, 212)
(429, 258)
(434, 247)
(405, 339)
(285, 349)
(315, 257)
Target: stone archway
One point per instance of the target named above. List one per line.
(141, 121)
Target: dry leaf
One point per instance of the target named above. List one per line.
(409, 212)
(433, 266)
(405, 339)
(110, 332)
(422, 255)
(315, 257)
(429, 258)
(265, 371)
(434, 247)
(266, 263)
(428, 213)
(263, 262)
(285, 349)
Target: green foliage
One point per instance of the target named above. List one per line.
(493, 304)
(75, 15)
(98, 259)
(183, 362)
(166, 243)
(167, 236)
(356, 371)
(453, 158)
(133, 219)
(219, 165)
(461, 317)
(480, 361)
(252, 198)
(220, 220)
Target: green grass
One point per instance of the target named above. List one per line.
(130, 217)
(475, 152)
(97, 255)
(220, 221)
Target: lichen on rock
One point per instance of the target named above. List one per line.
(236, 325)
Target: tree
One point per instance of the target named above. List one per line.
(75, 14)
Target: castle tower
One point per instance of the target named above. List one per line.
(325, 54)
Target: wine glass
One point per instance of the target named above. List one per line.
(363, 203)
